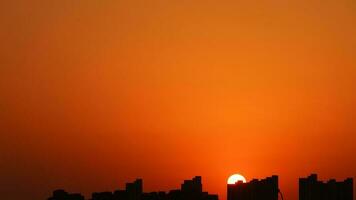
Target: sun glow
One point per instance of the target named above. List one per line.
(236, 178)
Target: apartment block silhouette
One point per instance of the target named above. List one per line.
(312, 189)
(190, 190)
(265, 189)
(63, 195)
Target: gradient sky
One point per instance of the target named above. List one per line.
(97, 93)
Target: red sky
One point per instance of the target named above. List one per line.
(97, 93)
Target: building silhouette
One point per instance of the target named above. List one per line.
(63, 195)
(190, 190)
(265, 189)
(312, 189)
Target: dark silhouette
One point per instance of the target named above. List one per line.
(63, 195)
(190, 190)
(312, 189)
(265, 189)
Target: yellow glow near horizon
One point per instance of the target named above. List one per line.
(236, 178)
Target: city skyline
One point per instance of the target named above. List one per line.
(97, 92)
(189, 190)
(256, 189)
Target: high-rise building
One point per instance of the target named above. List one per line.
(134, 190)
(312, 189)
(265, 189)
(192, 186)
(191, 190)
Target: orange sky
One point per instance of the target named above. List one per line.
(97, 93)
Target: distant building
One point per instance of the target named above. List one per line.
(265, 189)
(312, 189)
(63, 195)
(134, 190)
(102, 196)
(190, 190)
(193, 186)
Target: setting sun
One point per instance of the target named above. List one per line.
(236, 178)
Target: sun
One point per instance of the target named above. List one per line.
(235, 178)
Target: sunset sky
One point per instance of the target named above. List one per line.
(94, 93)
